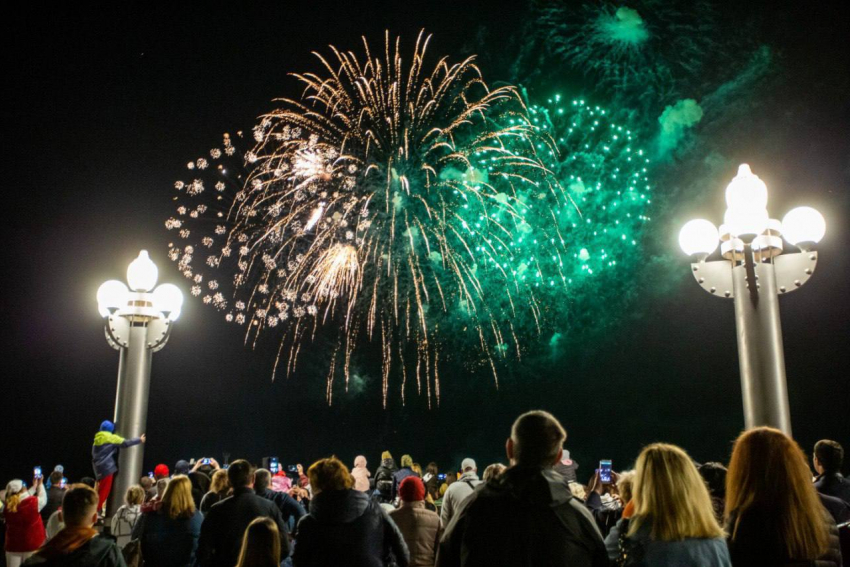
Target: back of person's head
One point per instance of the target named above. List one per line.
(161, 485)
(240, 473)
(714, 475)
(417, 468)
(79, 506)
(493, 471)
(262, 479)
(146, 482)
(406, 461)
(329, 474)
(182, 467)
(56, 478)
(107, 426)
(360, 461)
(411, 489)
(260, 545)
(135, 495)
(670, 496)
(386, 455)
(177, 502)
(161, 471)
(88, 481)
(432, 468)
(768, 471)
(537, 438)
(220, 482)
(830, 455)
(15, 492)
(625, 486)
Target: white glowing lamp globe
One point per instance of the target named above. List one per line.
(111, 295)
(169, 299)
(698, 237)
(803, 225)
(142, 273)
(746, 192)
(746, 222)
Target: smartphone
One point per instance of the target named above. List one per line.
(63, 483)
(274, 465)
(441, 476)
(36, 472)
(150, 474)
(205, 461)
(293, 468)
(605, 471)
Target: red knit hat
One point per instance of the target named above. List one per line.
(411, 489)
(160, 471)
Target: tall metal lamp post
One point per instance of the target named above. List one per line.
(754, 272)
(138, 322)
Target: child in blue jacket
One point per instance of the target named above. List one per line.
(104, 457)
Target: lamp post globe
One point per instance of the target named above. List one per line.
(137, 322)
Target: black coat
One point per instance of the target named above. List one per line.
(346, 527)
(385, 479)
(224, 526)
(833, 484)
(288, 506)
(524, 518)
(755, 541)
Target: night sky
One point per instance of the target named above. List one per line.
(106, 105)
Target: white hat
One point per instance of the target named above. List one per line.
(468, 464)
(14, 487)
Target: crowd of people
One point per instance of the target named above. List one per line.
(766, 507)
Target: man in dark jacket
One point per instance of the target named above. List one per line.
(290, 509)
(828, 457)
(526, 516)
(54, 495)
(78, 543)
(224, 525)
(345, 526)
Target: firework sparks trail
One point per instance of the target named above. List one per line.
(389, 202)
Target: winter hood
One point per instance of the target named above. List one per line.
(339, 506)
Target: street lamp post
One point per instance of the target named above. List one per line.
(137, 323)
(754, 272)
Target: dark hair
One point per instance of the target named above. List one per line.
(714, 475)
(78, 503)
(262, 479)
(240, 473)
(537, 437)
(88, 481)
(432, 468)
(830, 454)
(55, 477)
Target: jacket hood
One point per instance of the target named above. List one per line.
(360, 462)
(533, 484)
(339, 506)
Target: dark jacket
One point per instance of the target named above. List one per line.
(346, 527)
(210, 499)
(755, 540)
(833, 484)
(104, 452)
(224, 526)
(524, 518)
(200, 486)
(97, 552)
(399, 476)
(289, 507)
(168, 542)
(385, 480)
(837, 508)
(54, 502)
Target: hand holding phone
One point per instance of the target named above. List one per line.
(205, 461)
(36, 473)
(605, 471)
(63, 483)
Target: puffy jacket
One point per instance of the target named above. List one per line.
(755, 540)
(168, 542)
(524, 518)
(224, 527)
(421, 529)
(24, 528)
(360, 474)
(385, 480)
(346, 527)
(104, 452)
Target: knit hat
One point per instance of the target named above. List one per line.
(386, 455)
(411, 489)
(182, 467)
(406, 461)
(160, 471)
(467, 464)
(14, 487)
(107, 425)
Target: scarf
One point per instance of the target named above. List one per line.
(67, 541)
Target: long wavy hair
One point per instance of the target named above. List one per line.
(670, 496)
(768, 471)
(177, 502)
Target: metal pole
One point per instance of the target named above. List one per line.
(760, 351)
(131, 410)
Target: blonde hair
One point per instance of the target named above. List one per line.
(670, 496)
(260, 544)
(329, 474)
(626, 485)
(177, 501)
(220, 482)
(135, 495)
(787, 490)
(13, 501)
